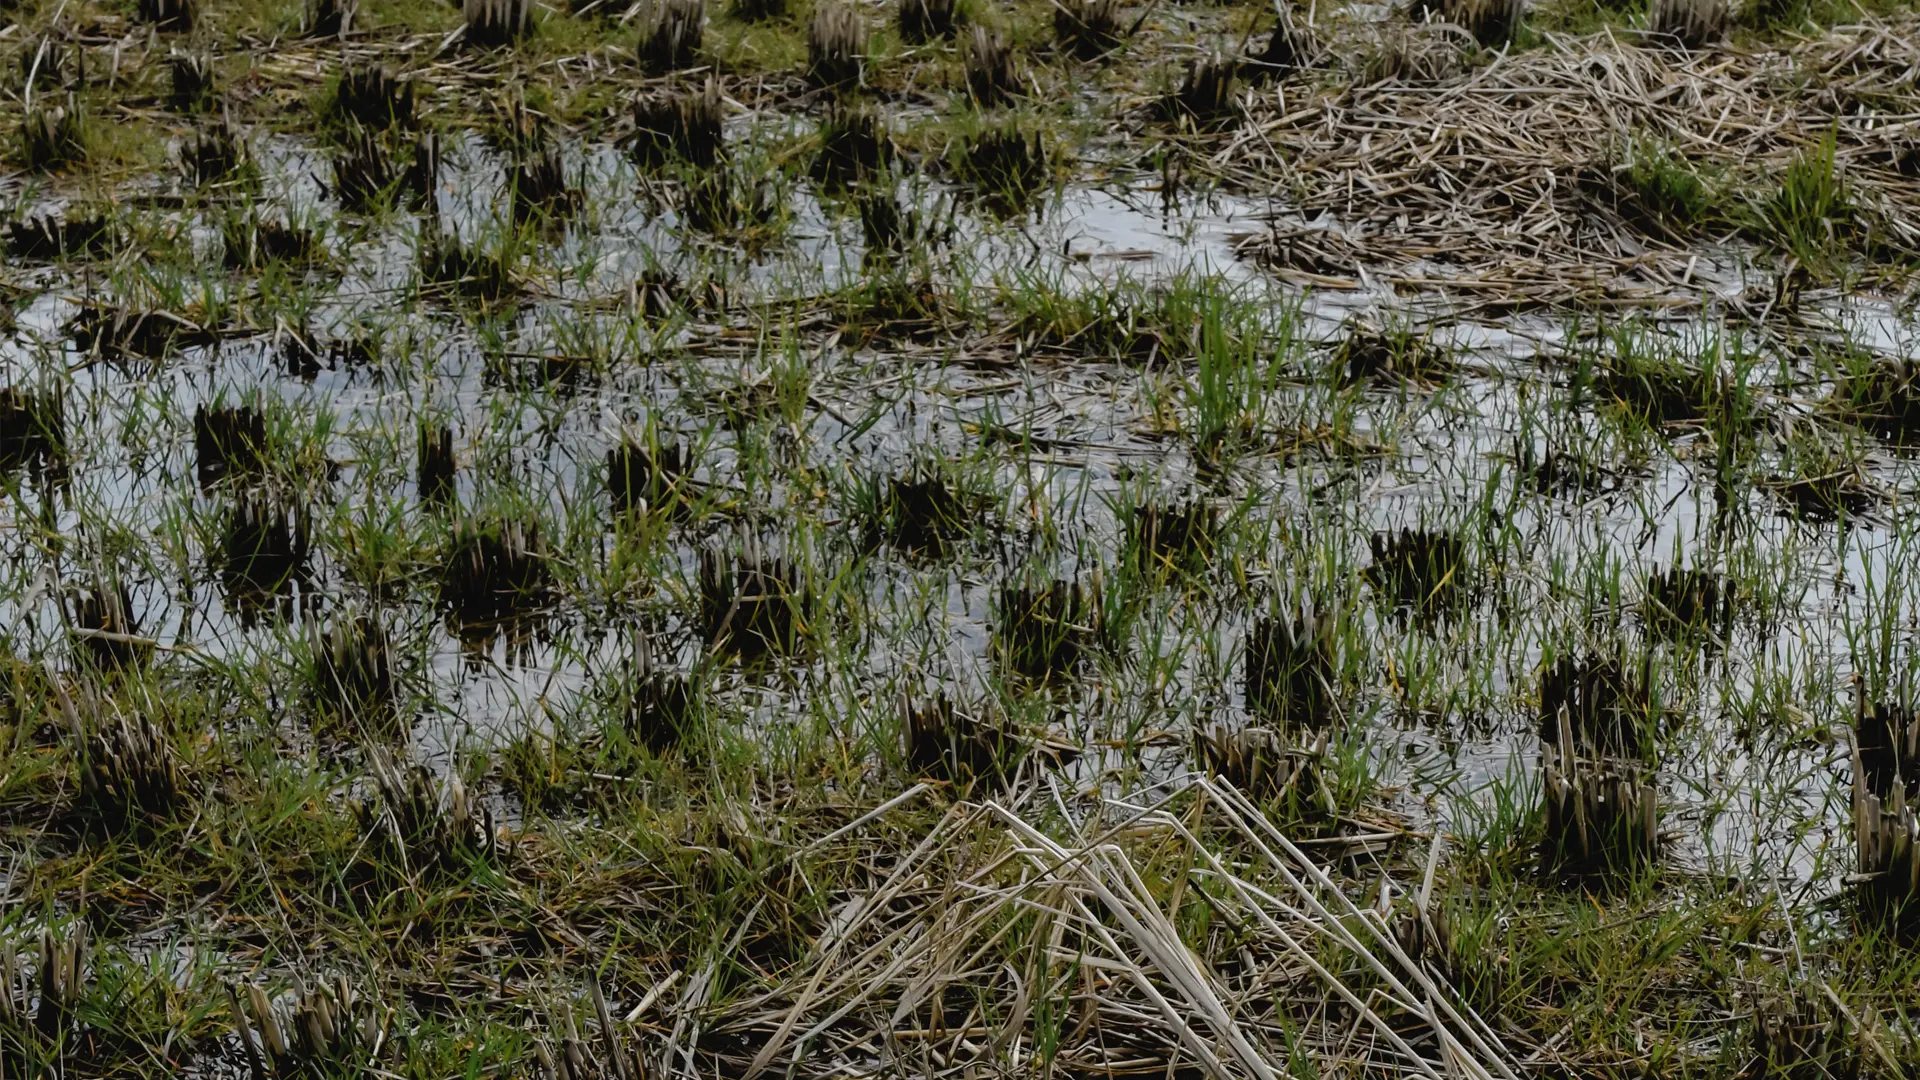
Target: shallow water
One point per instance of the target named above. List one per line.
(1448, 712)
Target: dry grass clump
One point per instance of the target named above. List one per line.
(190, 81)
(53, 136)
(33, 428)
(263, 554)
(1290, 47)
(759, 10)
(435, 465)
(1168, 537)
(1419, 570)
(495, 569)
(104, 629)
(1798, 1035)
(923, 21)
(374, 97)
(647, 478)
(856, 147)
(329, 18)
(493, 23)
(1597, 725)
(253, 242)
(49, 236)
(1387, 357)
(175, 16)
(213, 153)
(423, 824)
(1087, 29)
(1006, 164)
(1292, 669)
(752, 604)
(42, 1006)
(661, 703)
(946, 744)
(680, 123)
(463, 269)
(364, 174)
(128, 772)
(1205, 94)
(671, 32)
(1491, 22)
(921, 511)
(322, 1031)
(1689, 24)
(991, 77)
(353, 670)
(1049, 629)
(1682, 603)
(836, 45)
(229, 442)
(1266, 765)
(1886, 787)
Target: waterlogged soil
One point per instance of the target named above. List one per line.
(1128, 339)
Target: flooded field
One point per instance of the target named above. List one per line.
(999, 539)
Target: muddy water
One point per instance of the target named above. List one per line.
(1447, 713)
